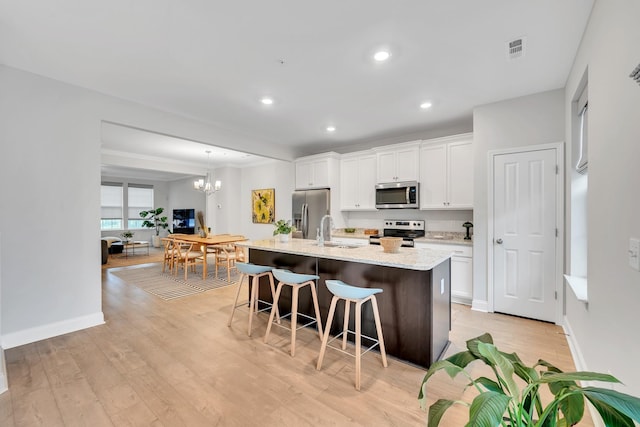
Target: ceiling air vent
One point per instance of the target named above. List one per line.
(635, 74)
(515, 48)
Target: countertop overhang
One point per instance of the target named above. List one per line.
(408, 258)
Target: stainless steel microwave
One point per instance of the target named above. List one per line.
(398, 195)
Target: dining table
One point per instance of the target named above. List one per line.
(205, 242)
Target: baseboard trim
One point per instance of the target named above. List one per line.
(480, 305)
(461, 298)
(581, 365)
(50, 330)
(574, 347)
(4, 383)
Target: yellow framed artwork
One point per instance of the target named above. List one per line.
(263, 206)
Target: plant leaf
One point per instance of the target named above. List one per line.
(472, 344)
(576, 376)
(489, 384)
(462, 359)
(449, 367)
(487, 409)
(491, 353)
(610, 416)
(626, 404)
(437, 410)
(572, 407)
(547, 365)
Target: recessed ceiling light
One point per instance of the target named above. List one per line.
(266, 100)
(425, 105)
(381, 55)
(331, 128)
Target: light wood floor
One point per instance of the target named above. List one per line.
(177, 363)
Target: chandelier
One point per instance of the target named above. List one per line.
(207, 185)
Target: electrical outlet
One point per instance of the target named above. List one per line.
(634, 253)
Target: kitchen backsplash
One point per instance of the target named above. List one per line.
(434, 220)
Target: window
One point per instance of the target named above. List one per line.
(583, 110)
(139, 198)
(577, 277)
(111, 206)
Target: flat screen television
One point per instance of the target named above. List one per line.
(184, 221)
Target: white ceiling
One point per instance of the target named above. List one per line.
(214, 60)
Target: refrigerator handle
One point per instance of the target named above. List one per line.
(305, 220)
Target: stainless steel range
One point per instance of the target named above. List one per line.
(408, 230)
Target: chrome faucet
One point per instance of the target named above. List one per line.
(321, 238)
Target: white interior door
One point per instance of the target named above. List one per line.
(524, 224)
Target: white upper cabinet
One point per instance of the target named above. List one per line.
(400, 163)
(357, 182)
(316, 171)
(446, 173)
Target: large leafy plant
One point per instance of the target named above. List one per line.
(507, 402)
(153, 219)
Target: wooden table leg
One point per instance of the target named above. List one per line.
(203, 248)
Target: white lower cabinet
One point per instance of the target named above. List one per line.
(461, 269)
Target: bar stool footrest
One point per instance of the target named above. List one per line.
(375, 344)
(312, 320)
(246, 305)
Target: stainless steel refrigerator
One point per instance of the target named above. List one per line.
(309, 206)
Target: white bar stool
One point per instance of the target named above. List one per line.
(253, 273)
(296, 281)
(359, 296)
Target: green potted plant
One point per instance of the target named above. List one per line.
(505, 402)
(126, 236)
(283, 229)
(153, 219)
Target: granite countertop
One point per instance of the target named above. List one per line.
(445, 237)
(409, 258)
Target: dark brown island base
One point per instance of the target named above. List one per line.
(415, 303)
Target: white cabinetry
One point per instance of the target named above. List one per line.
(316, 171)
(357, 182)
(400, 163)
(446, 173)
(461, 269)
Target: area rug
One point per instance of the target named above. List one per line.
(167, 286)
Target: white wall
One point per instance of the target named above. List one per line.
(49, 209)
(276, 174)
(224, 206)
(49, 181)
(604, 333)
(529, 120)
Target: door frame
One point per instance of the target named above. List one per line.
(559, 147)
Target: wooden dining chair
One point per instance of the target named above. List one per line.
(185, 255)
(228, 255)
(167, 260)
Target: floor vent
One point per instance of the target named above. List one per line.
(515, 48)
(635, 74)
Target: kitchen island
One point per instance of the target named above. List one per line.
(415, 304)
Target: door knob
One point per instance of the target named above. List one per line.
(499, 241)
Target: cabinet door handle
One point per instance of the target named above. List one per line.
(499, 241)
